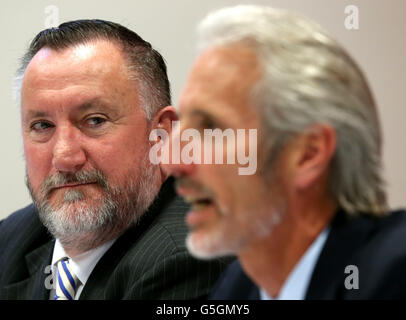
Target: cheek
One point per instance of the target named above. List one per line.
(38, 163)
(221, 181)
(118, 160)
(245, 195)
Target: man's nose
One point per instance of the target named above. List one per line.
(179, 169)
(68, 154)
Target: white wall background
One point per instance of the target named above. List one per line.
(379, 46)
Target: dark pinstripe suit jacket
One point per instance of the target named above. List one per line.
(149, 261)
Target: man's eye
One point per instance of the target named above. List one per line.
(95, 121)
(41, 126)
(206, 123)
(200, 122)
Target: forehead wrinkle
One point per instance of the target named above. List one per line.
(44, 81)
(36, 113)
(95, 104)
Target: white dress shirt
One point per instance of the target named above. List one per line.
(82, 265)
(297, 283)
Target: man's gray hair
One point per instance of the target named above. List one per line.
(308, 78)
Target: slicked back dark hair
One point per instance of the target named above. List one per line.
(146, 65)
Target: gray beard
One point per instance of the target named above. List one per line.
(83, 227)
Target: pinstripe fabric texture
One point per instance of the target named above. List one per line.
(149, 261)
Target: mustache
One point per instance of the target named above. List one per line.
(192, 185)
(60, 179)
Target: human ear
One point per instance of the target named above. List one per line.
(316, 148)
(164, 118)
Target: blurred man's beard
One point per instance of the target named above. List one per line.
(83, 222)
(231, 240)
(234, 233)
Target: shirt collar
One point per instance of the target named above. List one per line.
(296, 284)
(83, 264)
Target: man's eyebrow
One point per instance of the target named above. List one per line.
(199, 113)
(196, 113)
(96, 104)
(36, 114)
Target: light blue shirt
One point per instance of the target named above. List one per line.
(297, 283)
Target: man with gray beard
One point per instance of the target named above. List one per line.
(91, 92)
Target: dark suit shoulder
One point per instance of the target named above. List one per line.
(394, 221)
(371, 250)
(384, 236)
(22, 228)
(17, 221)
(20, 234)
(382, 260)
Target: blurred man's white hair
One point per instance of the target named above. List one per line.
(308, 78)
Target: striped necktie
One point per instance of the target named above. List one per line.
(67, 282)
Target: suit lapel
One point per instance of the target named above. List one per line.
(33, 287)
(234, 284)
(97, 286)
(246, 289)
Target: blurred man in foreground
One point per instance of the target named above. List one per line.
(312, 222)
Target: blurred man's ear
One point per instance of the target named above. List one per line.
(312, 154)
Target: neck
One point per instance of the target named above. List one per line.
(80, 243)
(269, 261)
